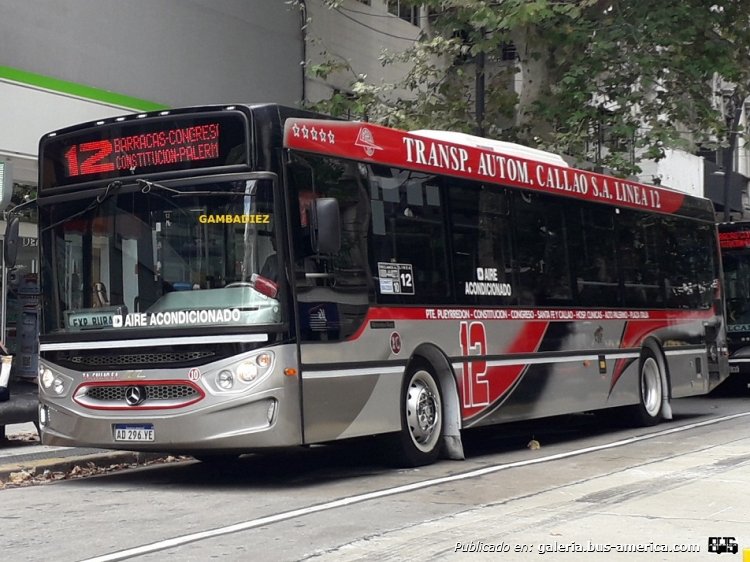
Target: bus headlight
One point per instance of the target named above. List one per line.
(48, 378)
(253, 368)
(225, 380)
(55, 384)
(244, 375)
(247, 371)
(264, 359)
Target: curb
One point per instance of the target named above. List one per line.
(66, 464)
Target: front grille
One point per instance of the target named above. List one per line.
(153, 395)
(153, 392)
(140, 359)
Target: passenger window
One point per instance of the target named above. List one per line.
(408, 243)
(481, 242)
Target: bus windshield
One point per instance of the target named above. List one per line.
(156, 258)
(736, 263)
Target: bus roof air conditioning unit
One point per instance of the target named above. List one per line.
(507, 148)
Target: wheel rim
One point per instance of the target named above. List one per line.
(423, 411)
(651, 387)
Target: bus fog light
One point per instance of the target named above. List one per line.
(271, 411)
(47, 379)
(43, 416)
(225, 380)
(247, 372)
(58, 386)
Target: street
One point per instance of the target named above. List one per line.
(591, 485)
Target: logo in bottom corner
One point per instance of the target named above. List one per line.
(720, 545)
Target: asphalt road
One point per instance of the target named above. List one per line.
(593, 486)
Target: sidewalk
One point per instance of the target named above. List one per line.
(22, 452)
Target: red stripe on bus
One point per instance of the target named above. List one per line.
(377, 144)
(502, 378)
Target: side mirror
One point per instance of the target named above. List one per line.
(10, 248)
(326, 225)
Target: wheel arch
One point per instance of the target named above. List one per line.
(436, 358)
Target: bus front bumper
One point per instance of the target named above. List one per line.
(241, 425)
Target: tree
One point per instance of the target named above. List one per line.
(636, 75)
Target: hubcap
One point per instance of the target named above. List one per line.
(423, 411)
(651, 387)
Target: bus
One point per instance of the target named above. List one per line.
(227, 279)
(734, 239)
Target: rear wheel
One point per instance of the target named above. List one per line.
(650, 391)
(421, 436)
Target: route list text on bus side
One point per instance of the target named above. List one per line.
(532, 314)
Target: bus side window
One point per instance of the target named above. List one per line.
(480, 232)
(541, 250)
(640, 266)
(690, 273)
(408, 228)
(592, 247)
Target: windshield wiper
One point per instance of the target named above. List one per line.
(147, 186)
(109, 191)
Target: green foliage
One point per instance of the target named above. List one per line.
(634, 74)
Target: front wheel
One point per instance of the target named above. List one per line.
(650, 391)
(421, 436)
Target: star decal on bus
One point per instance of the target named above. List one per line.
(320, 135)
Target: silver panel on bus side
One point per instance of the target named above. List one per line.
(343, 400)
(350, 400)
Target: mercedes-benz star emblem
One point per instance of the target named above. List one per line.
(134, 395)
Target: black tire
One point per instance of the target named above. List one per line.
(420, 440)
(648, 411)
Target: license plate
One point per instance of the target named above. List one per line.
(134, 433)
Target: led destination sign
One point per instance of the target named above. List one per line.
(160, 148)
(144, 146)
(737, 239)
